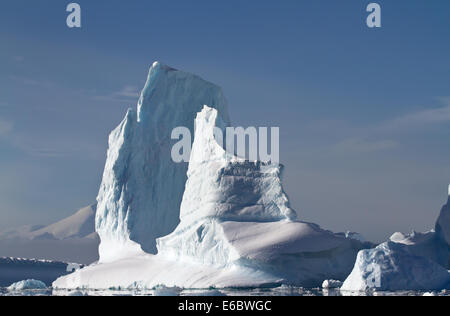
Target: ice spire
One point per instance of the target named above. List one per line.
(141, 191)
(220, 188)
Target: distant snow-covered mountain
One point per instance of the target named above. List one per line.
(72, 239)
(79, 225)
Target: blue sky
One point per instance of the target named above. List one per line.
(364, 114)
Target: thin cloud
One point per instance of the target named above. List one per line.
(33, 82)
(444, 100)
(381, 134)
(126, 93)
(359, 145)
(5, 127)
(19, 59)
(398, 125)
(56, 147)
(420, 119)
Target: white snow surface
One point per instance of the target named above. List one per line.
(146, 271)
(236, 230)
(142, 188)
(27, 285)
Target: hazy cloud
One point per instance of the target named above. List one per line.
(18, 59)
(56, 147)
(420, 119)
(5, 126)
(384, 135)
(444, 100)
(126, 93)
(33, 82)
(356, 145)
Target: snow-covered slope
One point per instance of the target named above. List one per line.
(72, 239)
(236, 229)
(15, 270)
(141, 191)
(418, 261)
(146, 271)
(79, 225)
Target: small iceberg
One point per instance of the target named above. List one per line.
(27, 285)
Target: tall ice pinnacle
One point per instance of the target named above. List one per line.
(142, 188)
(223, 188)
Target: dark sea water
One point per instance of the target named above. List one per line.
(280, 291)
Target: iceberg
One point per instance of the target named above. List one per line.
(27, 285)
(418, 261)
(141, 190)
(331, 284)
(220, 222)
(167, 291)
(392, 267)
(226, 238)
